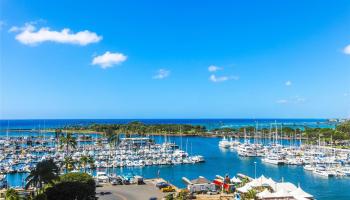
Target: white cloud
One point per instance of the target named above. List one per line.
(2, 24)
(236, 78)
(346, 94)
(282, 101)
(216, 79)
(293, 100)
(109, 59)
(298, 99)
(213, 68)
(288, 83)
(161, 74)
(346, 50)
(29, 35)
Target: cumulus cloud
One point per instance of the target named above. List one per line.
(288, 83)
(109, 59)
(29, 35)
(213, 68)
(216, 79)
(346, 50)
(161, 74)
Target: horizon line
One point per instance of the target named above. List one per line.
(214, 118)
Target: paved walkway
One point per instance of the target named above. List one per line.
(130, 192)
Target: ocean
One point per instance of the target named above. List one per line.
(208, 123)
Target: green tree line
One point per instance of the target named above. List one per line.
(143, 129)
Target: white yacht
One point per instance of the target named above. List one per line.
(309, 168)
(346, 171)
(224, 143)
(323, 171)
(234, 143)
(180, 153)
(246, 150)
(273, 159)
(198, 159)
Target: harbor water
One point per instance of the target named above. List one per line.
(220, 162)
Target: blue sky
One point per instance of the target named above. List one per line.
(175, 59)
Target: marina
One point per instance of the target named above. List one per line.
(217, 161)
(318, 159)
(174, 100)
(20, 154)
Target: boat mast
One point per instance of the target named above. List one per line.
(276, 133)
(281, 134)
(256, 131)
(181, 137)
(270, 134)
(7, 130)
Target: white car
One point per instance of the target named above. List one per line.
(102, 177)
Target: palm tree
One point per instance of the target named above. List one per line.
(142, 131)
(251, 194)
(112, 137)
(11, 194)
(45, 172)
(69, 163)
(91, 162)
(68, 141)
(58, 133)
(84, 161)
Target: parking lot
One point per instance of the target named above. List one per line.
(130, 192)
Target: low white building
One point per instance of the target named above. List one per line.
(199, 185)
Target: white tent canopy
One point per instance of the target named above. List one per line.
(244, 189)
(270, 183)
(235, 180)
(261, 181)
(264, 194)
(289, 187)
(282, 193)
(300, 193)
(254, 183)
(300, 198)
(280, 190)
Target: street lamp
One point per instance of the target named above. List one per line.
(255, 169)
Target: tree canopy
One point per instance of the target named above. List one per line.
(140, 128)
(72, 186)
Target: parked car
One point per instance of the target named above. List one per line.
(139, 180)
(126, 182)
(213, 192)
(161, 185)
(116, 181)
(168, 189)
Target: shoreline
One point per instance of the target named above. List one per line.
(206, 135)
(89, 132)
